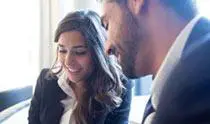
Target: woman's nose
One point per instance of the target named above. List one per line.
(69, 59)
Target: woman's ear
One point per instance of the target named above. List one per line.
(135, 6)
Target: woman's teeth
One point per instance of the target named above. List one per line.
(73, 70)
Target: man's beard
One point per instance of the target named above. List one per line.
(128, 65)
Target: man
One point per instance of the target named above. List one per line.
(165, 38)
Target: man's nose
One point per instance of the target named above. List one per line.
(109, 48)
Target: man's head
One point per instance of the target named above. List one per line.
(130, 29)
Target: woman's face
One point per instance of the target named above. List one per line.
(75, 56)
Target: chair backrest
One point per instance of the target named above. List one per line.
(14, 96)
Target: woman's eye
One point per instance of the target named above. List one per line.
(80, 52)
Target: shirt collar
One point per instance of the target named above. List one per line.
(171, 59)
(63, 84)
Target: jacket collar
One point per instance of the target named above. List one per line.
(53, 108)
(201, 29)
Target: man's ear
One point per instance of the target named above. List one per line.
(135, 6)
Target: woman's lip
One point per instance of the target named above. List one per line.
(73, 70)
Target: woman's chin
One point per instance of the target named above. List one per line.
(74, 80)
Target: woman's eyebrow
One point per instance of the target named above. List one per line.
(80, 46)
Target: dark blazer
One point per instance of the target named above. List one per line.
(185, 98)
(46, 107)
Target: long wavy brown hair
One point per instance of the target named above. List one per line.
(104, 89)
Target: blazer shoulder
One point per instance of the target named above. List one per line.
(46, 79)
(203, 42)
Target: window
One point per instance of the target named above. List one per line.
(19, 43)
(203, 7)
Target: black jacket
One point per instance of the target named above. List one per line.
(185, 98)
(46, 107)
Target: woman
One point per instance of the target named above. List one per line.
(84, 86)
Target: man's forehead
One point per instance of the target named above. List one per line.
(107, 8)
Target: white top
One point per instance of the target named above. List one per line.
(171, 59)
(69, 103)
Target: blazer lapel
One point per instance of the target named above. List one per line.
(53, 108)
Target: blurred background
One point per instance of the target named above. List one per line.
(26, 37)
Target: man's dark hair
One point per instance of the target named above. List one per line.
(186, 9)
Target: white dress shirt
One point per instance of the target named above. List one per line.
(172, 58)
(70, 102)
